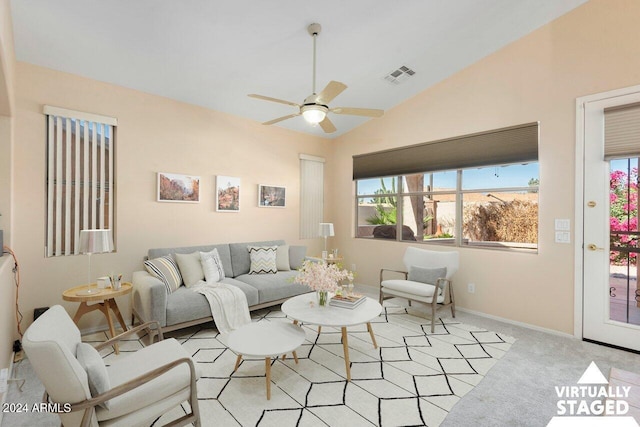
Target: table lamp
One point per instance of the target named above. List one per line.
(325, 230)
(95, 242)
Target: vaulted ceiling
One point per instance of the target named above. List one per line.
(214, 53)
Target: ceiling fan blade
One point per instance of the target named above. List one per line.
(279, 119)
(327, 125)
(268, 98)
(366, 112)
(332, 90)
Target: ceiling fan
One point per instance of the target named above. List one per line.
(315, 107)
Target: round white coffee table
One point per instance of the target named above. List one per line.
(304, 308)
(266, 339)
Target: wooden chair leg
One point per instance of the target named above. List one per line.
(452, 300)
(434, 309)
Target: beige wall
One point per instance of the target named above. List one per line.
(154, 134)
(7, 107)
(537, 78)
(7, 60)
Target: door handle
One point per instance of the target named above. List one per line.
(593, 247)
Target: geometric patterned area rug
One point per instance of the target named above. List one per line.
(414, 378)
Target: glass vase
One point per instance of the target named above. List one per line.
(323, 298)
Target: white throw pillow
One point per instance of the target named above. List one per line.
(282, 258)
(212, 266)
(97, 375)
(263, 259)
(190, 268)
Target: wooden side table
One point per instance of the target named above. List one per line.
(332, 260)
(105, 303)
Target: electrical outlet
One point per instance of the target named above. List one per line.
(471, 288)
(353, 267)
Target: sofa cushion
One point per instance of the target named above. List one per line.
(240, 260)
(223, 251)
(186, 305)
(190, 268)
(263, 259)
(165, 269)
(212, 266)
(296, 256)
(93, 364)
(282, 258)
(410, 287)
(273, 287)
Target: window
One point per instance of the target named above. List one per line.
(483, 206)
(80, 178)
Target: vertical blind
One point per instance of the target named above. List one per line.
(622, 131)
(80, 177)
(311, 195)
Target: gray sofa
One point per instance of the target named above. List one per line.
(184, 307)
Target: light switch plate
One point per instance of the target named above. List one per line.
(563, 237)
(563, 224)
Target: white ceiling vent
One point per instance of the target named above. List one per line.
(400, 75)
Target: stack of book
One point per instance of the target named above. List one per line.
(347, 301)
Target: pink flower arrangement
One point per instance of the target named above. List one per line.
(321, 276)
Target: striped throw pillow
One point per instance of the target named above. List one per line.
(263, 259)
(165, 269)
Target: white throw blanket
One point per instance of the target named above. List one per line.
(228, 304)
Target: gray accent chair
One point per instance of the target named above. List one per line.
(416, 285)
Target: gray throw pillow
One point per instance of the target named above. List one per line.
(97, 375)
(190, 268)
(426, 275)
(296, 256)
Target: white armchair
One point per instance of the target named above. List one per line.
(134, 390)
(425, 272)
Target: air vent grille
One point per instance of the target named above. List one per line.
(399, 75)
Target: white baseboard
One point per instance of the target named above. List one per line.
(96, 329)
(516, 323)
(3, 396)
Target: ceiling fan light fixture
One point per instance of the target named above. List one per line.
(314, 114)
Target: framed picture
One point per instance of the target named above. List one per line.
(271, 196)
(227, 194)
(174, 187)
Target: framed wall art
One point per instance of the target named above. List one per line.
(227, 194)
(271, 196)
(174, 187)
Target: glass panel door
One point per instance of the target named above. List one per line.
(624, 300)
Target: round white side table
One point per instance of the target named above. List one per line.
(266, 339)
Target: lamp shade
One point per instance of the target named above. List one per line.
(314, 114)
(325, 229)
(95, 241)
